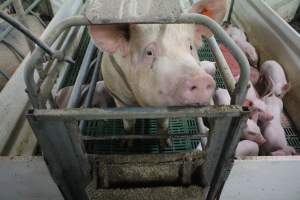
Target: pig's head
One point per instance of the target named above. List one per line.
(161, 61)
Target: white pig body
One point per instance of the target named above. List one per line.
(246, 148)
(222, 97)
(252, 132)
(273, 130)
(274, 74)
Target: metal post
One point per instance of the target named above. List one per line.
(61, 146)
(82, 74)
(225, 162)
(89, 97)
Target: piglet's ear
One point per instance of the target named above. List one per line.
(215, 9)
(110, 38)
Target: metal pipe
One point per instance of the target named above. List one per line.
(82, 74)
(21, 16)
(228, 21)
(48, 83)
(9, 29)
(102, 137)
(26, 32)
(222, 65)
(5, 4)
(53, 30)
(88, 100)
(139, 113)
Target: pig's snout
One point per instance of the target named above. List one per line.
(197, 90)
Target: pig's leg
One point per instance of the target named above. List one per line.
(163, 128)
(203, 130)
(129, 126)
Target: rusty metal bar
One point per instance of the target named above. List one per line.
(139, 113)
(144, 137)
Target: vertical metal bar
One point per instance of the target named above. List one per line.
(216, 140)
(227, 157)
(89, 97)
(83, 72)
(222, 64)
(67, 163)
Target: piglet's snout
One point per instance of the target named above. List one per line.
(197, 90)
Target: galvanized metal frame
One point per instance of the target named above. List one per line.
(58, 132)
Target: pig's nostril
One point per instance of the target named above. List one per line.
(193, 88)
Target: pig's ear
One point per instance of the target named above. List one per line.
(110, 38)
(286, 87)
(215, 9)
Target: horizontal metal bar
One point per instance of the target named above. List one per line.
(138, 113)
(144, 137)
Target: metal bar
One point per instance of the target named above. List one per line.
(49, 38)
(26, 32)
(139, 113)
(228, 21)
(50, 79)
(88, 100)
(5, 4)
(14, 49)
(21, 16)
(144, 137)
(222, 65)
(226, 159)
(214, 149)
(62, 151)
(82, 75)
(4, 74)
(9, 29)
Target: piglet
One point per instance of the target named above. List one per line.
(273, 74)
(246, 148)
(222, 97)
(239, 37)
(209, 67)
(252, 132)
(273, 131)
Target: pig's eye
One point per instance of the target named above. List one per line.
(191, 47)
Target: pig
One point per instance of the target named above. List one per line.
(273, 73)
(101, 97)
(222, 97)
(273, 131)
(247, 148)
(252, 132)
(209, 67)
(239, 37)
(286, 151)
(156, 64)
(235, 33)
(249, 51)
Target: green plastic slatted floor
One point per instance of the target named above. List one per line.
(149, 126)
